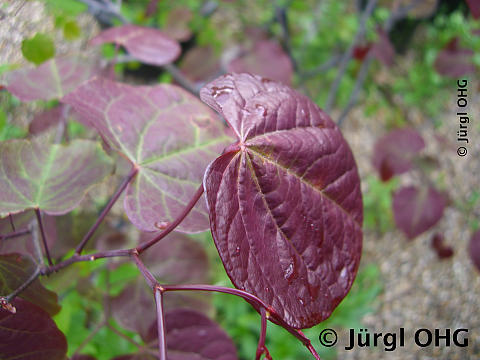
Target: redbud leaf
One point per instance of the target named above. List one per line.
(200, 64)
(148, 45)
(51, 80)
(38, 49)
(474, 249)
(417, 209)
(167, 133)
(267, 59)
(454, 61)
(15, 269)
(53, 178)
(193, 336)
(394, 152)
(285, 204)
(383, 49)
(474, 7)
(176, 25)
(30, 334)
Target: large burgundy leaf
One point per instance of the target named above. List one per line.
(394, 152)
(51, 80)
(53, 178)
(15, 269)
(267, 59)
(148, 45)
(167, 133)
(175, 260)
(417, 209)
(285, 203)
(454, 61)
(474, 249)
(30, 334)
(192, 336)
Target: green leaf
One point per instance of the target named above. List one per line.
(38, 49)
(68, 7)
(71, 30)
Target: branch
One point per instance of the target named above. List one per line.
(362, 73)
(15, 234)
(348, 54)
(44, 238)
(10, 217)
(107, 208)
(151, 281)
(281, 17)
(162, 341)
(25, 285)
(171, 226)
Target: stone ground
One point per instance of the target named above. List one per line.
(420, 291)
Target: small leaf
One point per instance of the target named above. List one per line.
(266, 58)
(177, 24)
(15, 269)
(51, 80)
(167, 133)
(46, 119)
(200, 64)
(71, 30)
(148, 45)
(417, 210)
(394, 152)
(192, 335)
(30, 334)
(53, 178)
(438, 244)
(474, 249)
(38, 49)
(454, 61)
(383, 49)
(285, 203)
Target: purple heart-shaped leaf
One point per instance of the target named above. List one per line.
(285, 203)
(148, 45)
(167, 133)
(53, 178)
(30, 334)
(394, 152)
(51, 80)
(417, 209)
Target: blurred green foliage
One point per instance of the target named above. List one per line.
(377, 203)
(38, 49)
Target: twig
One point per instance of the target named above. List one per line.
(171, 226)
(44, 238)
(15, 234)
(162, 341)
(151, 281)
(107, 208)
(362, 73)
(25, 285)
(122, 335)
(333, 61)
(90, 336)
(261, 349)
(181, 79)
(281, 17)
(12, 224)
(348, 54)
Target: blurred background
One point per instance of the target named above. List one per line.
(386, 71)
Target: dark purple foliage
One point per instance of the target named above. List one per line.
(30, 334)
(15, 269)
(474, 249)
(417, 209)
(285, 203)
(438, 244)
(148, 45)
(168, 134)
(383, 49)
(474, 6)
(200, 64)
(394, 152)
(176, 25)
(454, 61)
(53, 178)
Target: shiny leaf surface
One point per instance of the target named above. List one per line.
(285, 203)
